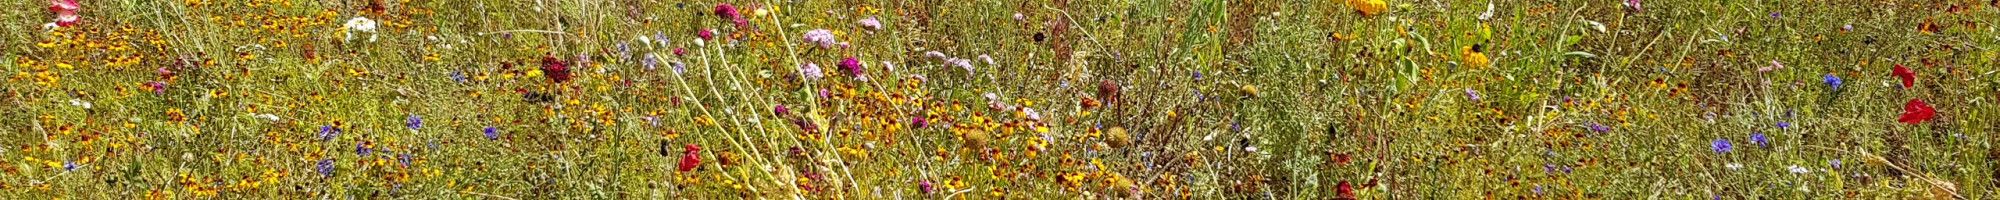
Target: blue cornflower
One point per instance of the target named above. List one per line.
(458, 76)
(1721, 145)
(414, 122)
(69, 165)
(492, 133)
(327, 132)
(1759, 139)
(1784, 125)
(326, 167)
(1833, 81)
(361, 149)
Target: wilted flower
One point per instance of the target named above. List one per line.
(822, 37)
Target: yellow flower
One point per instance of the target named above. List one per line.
(1475, 57)
(1369, 7)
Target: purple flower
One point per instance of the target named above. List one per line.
(925, 187)
(650, 61)
(362, 149)
(1835, 163)
(69, 165)
(679, 67)
(1634, 4)
(326, 167)
(1833, 81)
(458, 76)
(1759, 139)
(1599, 128)
(781, 110)
(852, 66)
(812, 71)
(327, 132)
(624, 50)
(871, 23)
(1784, 125)
(1472, 94)
(492, 133)
(1720, 145)
(822, 37)
(414, 122)
(158, 87)
(920, 122)
(404, 159)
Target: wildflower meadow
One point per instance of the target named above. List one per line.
(1031, 99)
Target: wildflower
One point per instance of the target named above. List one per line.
(327, 132)
(822, 37)
(812, 71)
(1797, 169)
(556, 69)
(680, 51)
(403, 158)
(362, 149)
(852, 66)
(1471, 94)
(65, 11)
(1909, 77)
(1784, 125)
(414, 122)
(361, 24)
(1832, 81)
(492, 133)
(326, 167)
(986, 58)
(679, 67)
(1759, 139)
(1368, 7)
(650, 61)
(1720, 145)
(1475, 57)
(781, 110)
(919, 121)
(69, 165)
(1599, 128)
(1345, 190)
(689, 158)
(962, 63)
(1634, 4)
(705, 34)
(926, 187)
(1775, 65)
(1916, 111)
(871, 23)
(1835, 163)
(157, 87)
(457, 76)
(1020, 18)
(1117, 137)
(725, 11)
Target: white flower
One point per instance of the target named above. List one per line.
(988, 59)
(1797, 169)
(361, 24)
(1733, 166)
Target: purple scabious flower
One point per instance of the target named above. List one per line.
(492, 133)
(822, 37)
(1759, 139)
(1833, 81)
(852, 66)
(812, 71)
(414, 122)
(871, 23)
(1720, 145)
(325, 167)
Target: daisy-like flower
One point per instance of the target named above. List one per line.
(822, 37)
(360, 24)
(871, 23)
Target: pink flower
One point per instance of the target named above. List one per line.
(706, 34)
(65, 11)
(822, 37)
(852, 66)
(871, 23)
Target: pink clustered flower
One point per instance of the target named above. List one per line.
(728, 12)
(853, 67)
(871, 23)
(822, 37)
(65, 11)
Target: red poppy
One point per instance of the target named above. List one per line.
(557, 69)
(690, 159)
(1916, 111)
(1909, 78)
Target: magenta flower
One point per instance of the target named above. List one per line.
(852, 66)
(725, 11)
(706, 34)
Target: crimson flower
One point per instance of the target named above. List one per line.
(690, 159)
(1916, 111)
(1909, 78)
(557, 69)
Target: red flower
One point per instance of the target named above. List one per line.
(1909, 78)
(690, 159)
(557, 70)
(1916, 111)
(1346, 190)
